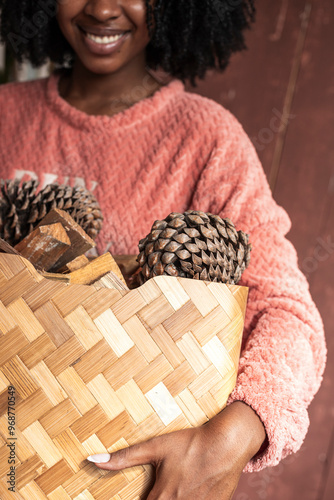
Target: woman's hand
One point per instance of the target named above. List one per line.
(202, 463)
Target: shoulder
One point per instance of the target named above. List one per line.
(22, 106)
(17, 97)
(203, 114)
(16, 89)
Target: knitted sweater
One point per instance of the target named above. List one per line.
(176, 151)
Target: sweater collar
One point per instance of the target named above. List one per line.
(138, 112)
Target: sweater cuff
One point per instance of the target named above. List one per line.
(276, 427)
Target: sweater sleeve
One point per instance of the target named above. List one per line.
(284, 353)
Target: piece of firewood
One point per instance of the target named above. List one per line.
(75, 264)
(127, 264)
(110, 280)
(116, 270)
(93, 271)
(133, 280)
(80, 241)
(65, 278)
(7, 248)
(44, 246)
(78, 264)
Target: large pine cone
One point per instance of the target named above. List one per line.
(194, 245)
(21, 210)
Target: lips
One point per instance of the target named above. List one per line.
(103, 46)
(102, 31)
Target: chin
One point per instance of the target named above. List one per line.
(100, 67)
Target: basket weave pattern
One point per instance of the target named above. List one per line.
(98, 370)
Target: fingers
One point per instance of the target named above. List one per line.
(138, 454)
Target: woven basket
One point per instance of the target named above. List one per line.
(98, 370)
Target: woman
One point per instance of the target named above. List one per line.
(148, 148)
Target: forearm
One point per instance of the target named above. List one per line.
(242, 427)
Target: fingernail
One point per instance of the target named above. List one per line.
(102, 458)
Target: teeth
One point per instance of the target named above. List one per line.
(103, 39)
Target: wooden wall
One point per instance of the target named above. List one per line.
(289, 70)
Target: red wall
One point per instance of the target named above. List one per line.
(288, 70)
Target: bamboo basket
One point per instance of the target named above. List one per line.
(98, 370)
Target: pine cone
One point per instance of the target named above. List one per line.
(14, 209)
(77, 201)
(194, 245)
(21, 210)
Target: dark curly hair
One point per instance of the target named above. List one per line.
(190, 36)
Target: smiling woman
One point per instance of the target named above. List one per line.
(171, 152)
(183, 37)
(87, 26)
(109, 40)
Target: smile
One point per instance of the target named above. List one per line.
(103, 40)
(104, 45)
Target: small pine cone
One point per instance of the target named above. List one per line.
(76, 201)
(194, 245)
(21, 210)
(15, 201)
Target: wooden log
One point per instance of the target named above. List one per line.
(82, 261)
(127, 264)
(109, 280)
(44, 246)
(97, 273)
(65, 278)
(95, 270)
(75, 264)
(7, 248)
(133, 280)
(116, 270)
(80, 241)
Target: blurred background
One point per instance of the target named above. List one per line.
(282, 91)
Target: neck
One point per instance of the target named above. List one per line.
(128, 85)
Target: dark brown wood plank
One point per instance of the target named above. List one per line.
(255, 84)
(329, 479)
(306, 166)
(287, 114)
(305, 189)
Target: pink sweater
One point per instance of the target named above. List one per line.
(171, 152)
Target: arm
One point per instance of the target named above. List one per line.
(284, 352)
(283, 358)
(199, 463)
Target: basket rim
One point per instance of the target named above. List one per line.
(40, 278)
